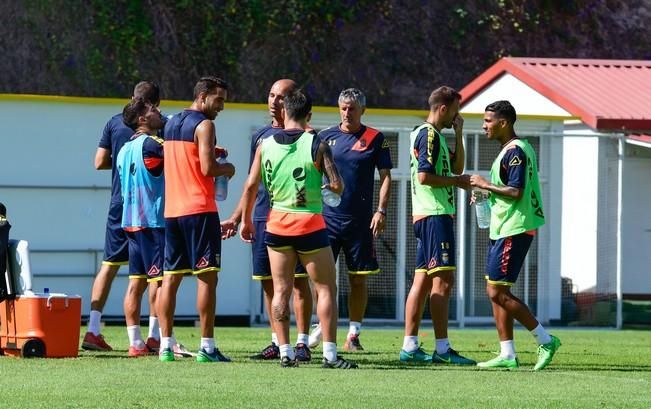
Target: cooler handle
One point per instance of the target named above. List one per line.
(50, 297)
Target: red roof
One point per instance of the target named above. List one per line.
(605, 94)
(640, 138)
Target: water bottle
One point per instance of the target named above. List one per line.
(221, 182)
(482, 209)
(330, 198)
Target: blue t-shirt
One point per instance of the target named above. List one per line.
(428, 154)
(116, 134)
(513, 167)
(356, 156)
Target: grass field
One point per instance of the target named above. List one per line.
(594, 368)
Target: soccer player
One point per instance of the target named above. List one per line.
(140, 166)
(357, 150)
(516, 213)
(192, 232)
(291, 164)
(433, 209)
(116, 251)
(261, 269)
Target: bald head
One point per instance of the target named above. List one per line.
(277, 94)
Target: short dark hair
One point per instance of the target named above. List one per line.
(298, 105)
(134, 109)
(3, 210)
(443, 96)
(504, 110)
(148, 91)
(208, 85)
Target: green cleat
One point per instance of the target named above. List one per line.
(416, 356)
(166, 355)
(499, 362)
(215, 356)
(451, 357)
(546, 353)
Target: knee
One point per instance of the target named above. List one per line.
(357, 281)
(442, 287)
(302, 288)
(495, 295)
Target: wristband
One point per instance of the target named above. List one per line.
(382, 211)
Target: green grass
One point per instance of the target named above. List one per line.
(594, 368)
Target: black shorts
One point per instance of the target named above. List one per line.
(303, 244)
(116, 245)
(261, 267)
(355, 238)
(436, 249)
(505, 258)
(192, 244)
(146, 254)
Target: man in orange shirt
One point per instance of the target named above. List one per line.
(192, 233)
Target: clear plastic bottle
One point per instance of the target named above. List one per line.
(330, 198)
(482, 209)
(221, 182)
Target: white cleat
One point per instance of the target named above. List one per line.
(315, 336)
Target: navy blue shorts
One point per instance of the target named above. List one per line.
(261, 267)
(192, 244)
(435, 244)
(505, 258)
(355, 237)
(116, 245)
(146, 254)
(304, 244)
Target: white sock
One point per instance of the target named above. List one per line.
(135, 337)
(354, 328)
(208, 345)
(410, 343)
(330, 351)
(507, 349)
(302, 339)
(274, 339)
(166, 343)
(154, 329)
(94, 322)
(542, 336)
(287, 350)
(442, 345)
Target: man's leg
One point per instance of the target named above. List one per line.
(166, 308)
(302, 297)
(153, 336)
(357, 301)
(93, 340)
(414, 306)
(283, 263)
(439, 302)
(132, 301)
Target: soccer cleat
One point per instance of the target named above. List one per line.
(285, 362)
(166, 355)
(339, 363)
(181, 352)
(352, 343)
(135, 352)
(315, 336)
(303, 353)
(499, 362)
(451, 357)
(216, 356)
(153, 345)
(546, 353)
(270, 352)
(416, 356)
(94, 342)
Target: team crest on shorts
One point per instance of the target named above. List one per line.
(153, 271)
(202, 263)
(432, 263)
(445, 258)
